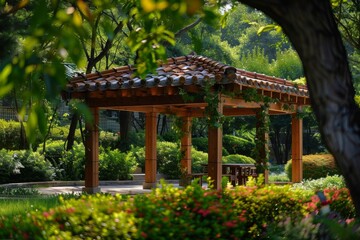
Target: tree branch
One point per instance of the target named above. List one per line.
(187, 28)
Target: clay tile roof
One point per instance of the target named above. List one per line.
(180, 71)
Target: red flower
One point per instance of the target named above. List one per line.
(230, 224)
(204, 212)
(144, 235)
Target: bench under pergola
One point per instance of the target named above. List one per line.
(164, 93)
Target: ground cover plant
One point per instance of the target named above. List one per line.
(246, 212)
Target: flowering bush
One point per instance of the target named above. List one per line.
(246, 212)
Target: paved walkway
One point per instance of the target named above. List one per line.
(57, 187)
(113, 189)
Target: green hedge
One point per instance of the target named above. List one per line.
(115, 165)
(315, 166)
(168, 156)
(24, 166)
(238, 145)
(168, 213)
(237, 158)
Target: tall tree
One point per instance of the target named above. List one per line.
(311, 27)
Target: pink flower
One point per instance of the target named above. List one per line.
(230, 224)
(204, 212)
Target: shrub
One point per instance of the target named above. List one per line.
(54, 151)
(238, 145)
(200, 144)
(87, 218)
(138, 154)
(333, 182)
(168, 156)
(165, 213)
(61, 132)
(72, 163)
(9, 135)
(315, 166)
(115, 165)
(267, 205)
(109, 140)
(278, 177)
(8, 166)
(237, 158)
(24, 166)
(198, 159)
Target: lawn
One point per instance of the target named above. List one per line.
(11, 206)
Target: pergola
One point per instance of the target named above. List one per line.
(163, 93)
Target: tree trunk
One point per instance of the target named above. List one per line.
(276, 145)
(71, 136)
(125, 120)
(311, 27)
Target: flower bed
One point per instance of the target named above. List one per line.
(252, 212)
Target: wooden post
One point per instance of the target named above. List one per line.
(92, 154)
(185, 149)
(215, 151)
(150, 150)
(263, 140)
(297, 148)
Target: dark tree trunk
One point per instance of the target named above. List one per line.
(311, 27)
(276, 145)
(287, 144)
(71, 136)
(125, 120)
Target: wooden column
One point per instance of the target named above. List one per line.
(185, 148)
(262, 143)
(92, 154)
(150, 150)
(297, 148)
(215, 136)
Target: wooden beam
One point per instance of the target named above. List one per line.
(297, 148)
(92, 154)
(215, 151)
(150, 150)
(140, 101)
(186, 147)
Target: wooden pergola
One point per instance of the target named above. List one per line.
(163, 93)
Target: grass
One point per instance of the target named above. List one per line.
(277, 174)
(15, 201)
(15, 206)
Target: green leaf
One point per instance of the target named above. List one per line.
(269, 28)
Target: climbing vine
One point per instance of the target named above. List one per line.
(261, 151)
(210, 95)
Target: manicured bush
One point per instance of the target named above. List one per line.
(72, 163)
(90, 217)
(9, 135)
(237, 158)
(166, 213)
(238, 145)
(115, 165)
(54, 151)
(333, 182)
(168, 156)
(198, 160)
(109, 140)
(138, 154)
(61, 132)
(315, 166)
(24, 166)
(268, 205)
(8, 166)
(200, 144)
